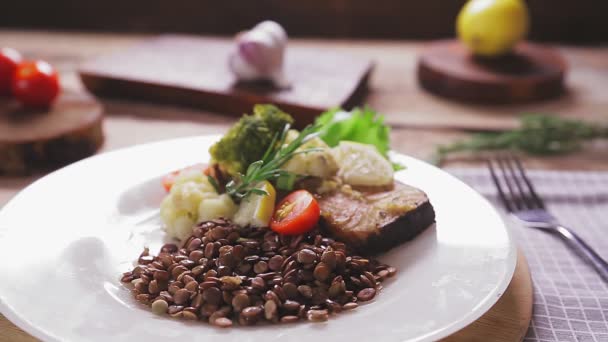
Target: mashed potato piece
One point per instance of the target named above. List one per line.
(192, 199)
(362, 164)
(318, 164)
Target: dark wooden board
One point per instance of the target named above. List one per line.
(531, 72)
(193, 71)
(39, 139)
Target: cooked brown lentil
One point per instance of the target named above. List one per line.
(226, 274)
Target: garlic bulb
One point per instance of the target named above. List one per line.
(259, 54)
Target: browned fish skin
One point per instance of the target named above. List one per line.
(375, 220)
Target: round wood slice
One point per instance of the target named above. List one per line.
(531, 72)
(509, 318)
(43, 139)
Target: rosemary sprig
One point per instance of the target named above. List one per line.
(537, 134)
(214, 184)
(268, 168)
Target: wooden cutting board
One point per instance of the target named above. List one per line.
(193, 71)
(41, 139)
(531, 72)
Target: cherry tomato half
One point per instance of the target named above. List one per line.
(9, 59)
(35, 84)
(169, 179)
(296, 214)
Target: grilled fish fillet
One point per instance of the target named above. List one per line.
(374, 220)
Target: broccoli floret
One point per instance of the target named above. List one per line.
(249, 138)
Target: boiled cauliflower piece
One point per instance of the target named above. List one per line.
(192, 199)
(188, 196)
(221, 206)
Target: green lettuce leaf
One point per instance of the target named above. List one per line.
(361, 125)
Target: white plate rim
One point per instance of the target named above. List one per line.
(489, 301)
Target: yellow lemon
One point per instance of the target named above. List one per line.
(492, 27)
(256, 210)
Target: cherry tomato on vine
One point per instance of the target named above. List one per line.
(9, 59)
(296, 214)
(35, 84)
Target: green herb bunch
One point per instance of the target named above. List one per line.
(362, 125)
(269, 167)
(537, 135)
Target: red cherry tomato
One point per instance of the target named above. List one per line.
(9, 59)
(169, 179)
(35, 84)
(296, 214)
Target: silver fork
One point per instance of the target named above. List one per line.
(521, 200)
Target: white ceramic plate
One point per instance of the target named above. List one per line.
(66, 239)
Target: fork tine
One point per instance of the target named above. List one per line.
(522, 172)
(517, 200)
(525, 199)
(501, 193)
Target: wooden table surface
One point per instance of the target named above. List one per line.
(420, 121)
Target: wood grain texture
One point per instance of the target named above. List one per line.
(531, 72)
(421, 121)
(557, 20)
(11, 333)
(194, 71)
(35, 139)
(394, 89)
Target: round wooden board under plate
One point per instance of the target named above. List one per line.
(40, 139)
(531, 72)
(509, 318)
